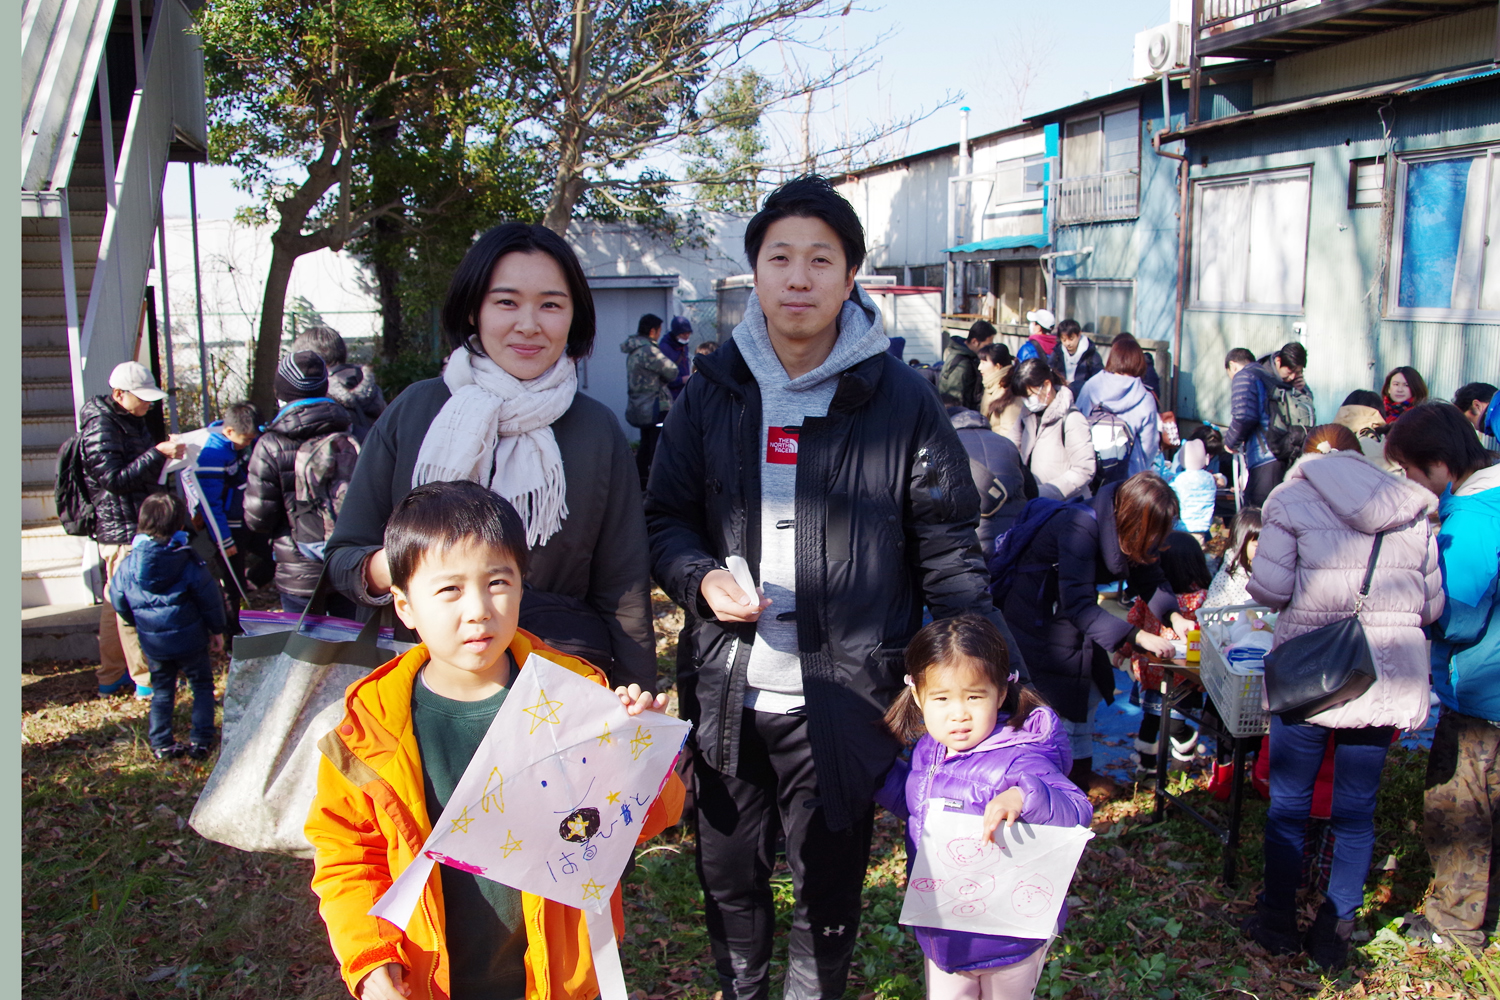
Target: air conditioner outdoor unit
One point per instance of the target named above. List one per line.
(1160, 50)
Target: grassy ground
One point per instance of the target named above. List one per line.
(121, 900)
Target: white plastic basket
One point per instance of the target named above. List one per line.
(1236, 693)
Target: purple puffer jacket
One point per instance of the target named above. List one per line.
(1034, 758)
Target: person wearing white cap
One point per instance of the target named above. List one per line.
(122, 463)
(1042, 340)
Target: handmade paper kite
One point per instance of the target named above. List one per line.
(1013, 885)
(552, 802)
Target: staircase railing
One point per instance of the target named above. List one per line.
(168, 104)
(61, 45)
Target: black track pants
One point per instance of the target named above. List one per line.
(738, 817)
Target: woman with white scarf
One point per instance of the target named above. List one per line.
(507, 413)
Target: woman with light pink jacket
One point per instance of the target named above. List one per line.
(1315, 543)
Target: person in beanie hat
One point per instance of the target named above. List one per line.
(303, 375)
(122, 464)
(675, 346)
(308, 412)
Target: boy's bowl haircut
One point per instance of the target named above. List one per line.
(441, 515)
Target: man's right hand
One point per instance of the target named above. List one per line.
(385, 983)
(171, 447)
(1155, 645)
(727, 601)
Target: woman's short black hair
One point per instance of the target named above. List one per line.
(810, 196)
(1432, 432)
(442, 515)
(648, 322)
(1184, 565)
(996, 354)
(471, 282)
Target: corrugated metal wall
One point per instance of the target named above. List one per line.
(1351, 345)
(1391, 55)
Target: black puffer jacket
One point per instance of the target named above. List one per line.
(886, 514)
(271, 485)
(123, 465)
(1002, 479)
(1053, 603)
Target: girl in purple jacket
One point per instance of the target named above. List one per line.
(987, 745)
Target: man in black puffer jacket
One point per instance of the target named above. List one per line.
(271, 487)
(122, 462)
(832, 469)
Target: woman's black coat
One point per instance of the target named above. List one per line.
(1053, 603)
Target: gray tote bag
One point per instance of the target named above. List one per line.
(285, 691)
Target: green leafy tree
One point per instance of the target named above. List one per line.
(341, 113)
(725, 165)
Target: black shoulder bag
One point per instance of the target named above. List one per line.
(1323, 668)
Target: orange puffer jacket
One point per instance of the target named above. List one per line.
(369, 821)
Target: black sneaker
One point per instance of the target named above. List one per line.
(198, 751)
(169, 752)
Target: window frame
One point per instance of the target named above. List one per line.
(1063, 187)
(1365, 161)
(1067, 286)
(1250, 177)
(1393, 310)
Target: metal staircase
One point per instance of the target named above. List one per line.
(111, 92)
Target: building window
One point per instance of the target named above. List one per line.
(1446, 237)
(927, 276)
(1100, 167)
(1100, 307)
(1367, 182)
(1250, 242)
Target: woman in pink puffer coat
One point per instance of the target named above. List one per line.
(1319, 528)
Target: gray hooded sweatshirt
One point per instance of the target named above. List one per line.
(775, 668)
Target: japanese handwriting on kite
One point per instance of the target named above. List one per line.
(494, 791)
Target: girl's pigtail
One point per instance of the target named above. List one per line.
(904, 717)
(1019, 702)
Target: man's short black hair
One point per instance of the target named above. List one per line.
(1068, 327)
(324, 341)
(1239, 355)
(1293, 355)
(982, 329)
(810, 196)
(442, 515)
(1434, 432)
(471, 282)
(1474, 392)
(242, 418)
(648, 322)
(162, 516)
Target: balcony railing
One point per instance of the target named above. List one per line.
(1098, 197)
(1241, 13)
(1269, 29)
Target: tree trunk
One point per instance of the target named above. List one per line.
(387, 280)
(566, 190)
(268, 338)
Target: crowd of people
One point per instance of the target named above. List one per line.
(926, 625)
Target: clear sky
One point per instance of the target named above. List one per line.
(1005, 57)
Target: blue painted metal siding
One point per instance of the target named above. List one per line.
(1351, 344)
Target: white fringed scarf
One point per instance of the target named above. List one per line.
(499, 427)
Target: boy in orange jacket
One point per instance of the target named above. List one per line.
(457, 554)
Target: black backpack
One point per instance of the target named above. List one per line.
(1113, 441)
(75, 505)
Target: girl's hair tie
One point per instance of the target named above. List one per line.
(1014, 676)
(909, 682)
(1324, 447)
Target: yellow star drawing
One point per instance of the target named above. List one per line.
(511, 844)
(605, 736)
(462, 821)
(494, 791)
(578, 827)
(591, 889)
(612, 797)
(545, 710)
(639, 742)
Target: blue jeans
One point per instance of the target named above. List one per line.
(200, 674)
(1296, 754)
